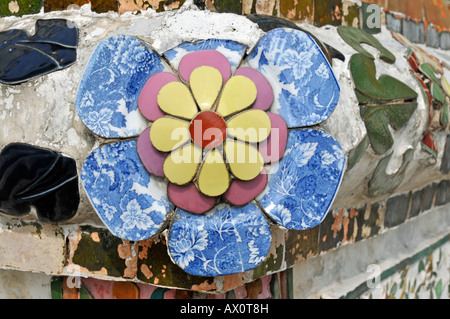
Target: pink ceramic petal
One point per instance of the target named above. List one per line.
(152, 159)
(147, 102)
(189, 198)
(264, 96)
(241, 192)
(212, 58)
(272, 149)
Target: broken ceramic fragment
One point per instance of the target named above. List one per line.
(305, 89)
(383, 101)
(41, 178)
(132, 203)
(272, 149)
(267, 23)
(241, 192)
(383, 183)
(233, 51)
(107, 98)
(23, 57)
(355, 37)
(226, 240)
(385, 88)
(302, 187)
(189, 198)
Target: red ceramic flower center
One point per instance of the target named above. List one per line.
(208, 129)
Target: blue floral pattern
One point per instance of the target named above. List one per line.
(228, 239)
(224, 241)
(233, 51)
(115, 75)
(131, 202)
(305, 89)
(302, 187)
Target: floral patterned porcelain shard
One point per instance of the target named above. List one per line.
(223, 148)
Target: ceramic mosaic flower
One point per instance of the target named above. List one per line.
(219, 142)
(209, 139)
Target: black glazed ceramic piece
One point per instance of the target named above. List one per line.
(267, 23)
(44, 179)
(51, 48)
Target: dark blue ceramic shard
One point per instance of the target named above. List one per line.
(51, 48)
(44, 179)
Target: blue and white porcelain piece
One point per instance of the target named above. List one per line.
(109, 89)
(302, 186)
(305, 89)
(132, 203)
(232, 50)
(226, 240)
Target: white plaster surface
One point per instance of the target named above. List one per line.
(24, 285)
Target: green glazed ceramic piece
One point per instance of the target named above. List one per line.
(385, 88)
(429, 71)
(56, 287)
(355, 154)
(378, 118)
(85, 294)
(382, 183)
(437, 93)
(354, 37)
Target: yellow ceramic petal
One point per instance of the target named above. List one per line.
(181, 165)
(250, 126)
(175, 99)
(244, 160)
(213, 179)
(238, 94)
(205, 82)
(167, 134)
(445, 85)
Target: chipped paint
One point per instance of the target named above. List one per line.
(95, 237)
(204, 286)
(127, 251)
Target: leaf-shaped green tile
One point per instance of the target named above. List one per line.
(384, 101)
(429, 71)
(355, 154)
(378, 118)
(382, 183)
(385, 88)
(437, 93)
(355, 37)
(438, 289)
